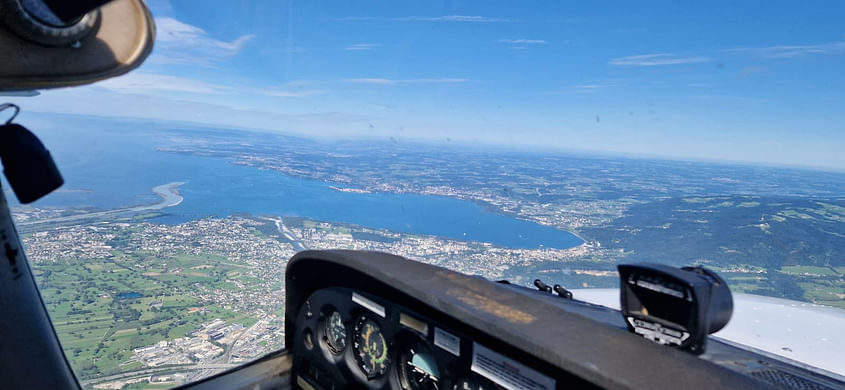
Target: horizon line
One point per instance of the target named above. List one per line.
(484, 144)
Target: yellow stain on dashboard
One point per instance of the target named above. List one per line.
(487, 305)
(469, 294)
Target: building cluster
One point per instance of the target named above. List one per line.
(202, 345)
(183, 350)
(475, 258)
(71, 243)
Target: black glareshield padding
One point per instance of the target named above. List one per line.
(70, 11)
(28, 166)
(678, 307)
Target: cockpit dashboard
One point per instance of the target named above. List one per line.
(369, 320)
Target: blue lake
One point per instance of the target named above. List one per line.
(121, 166)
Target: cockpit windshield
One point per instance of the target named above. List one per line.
(516, 141)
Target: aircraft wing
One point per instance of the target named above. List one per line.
(804, 333)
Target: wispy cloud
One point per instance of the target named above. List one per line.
(382, 81)
(590, 88)
(362, 46)
(731, 98)
(462, 18)
(660, 59)
(791, 51)
(585, 88)
(153, 84)
(771, 52)
(523, 41)
(445, 18)
(181, 43)
(90, 100)
(282, 92)
(141, 82)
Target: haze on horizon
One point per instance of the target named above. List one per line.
(734, 81)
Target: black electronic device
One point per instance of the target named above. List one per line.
(678, 307)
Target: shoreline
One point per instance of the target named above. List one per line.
(352, 190)
(169, 192)
(169, 198)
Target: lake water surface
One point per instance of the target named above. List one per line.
(120, 168)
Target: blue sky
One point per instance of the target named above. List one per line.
(757, 81)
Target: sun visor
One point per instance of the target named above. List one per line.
(39, 50)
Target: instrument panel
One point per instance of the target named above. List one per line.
(348, 339)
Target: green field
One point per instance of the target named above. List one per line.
(820, 285)
(98, 327)
(808, 270)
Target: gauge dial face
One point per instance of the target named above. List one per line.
(370, 348)
(335, 333)
(418, 370)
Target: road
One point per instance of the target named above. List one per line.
(228, 355)
(169, 198)
(287, 234)
(150, 371)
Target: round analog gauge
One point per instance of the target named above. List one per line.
(418, 369)
(335, 333)
(370, 348)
